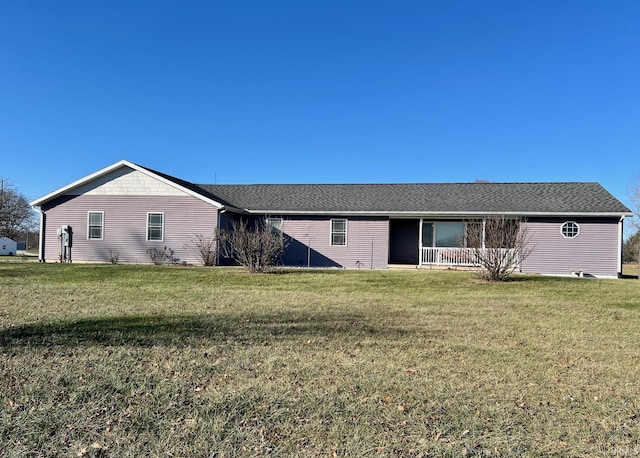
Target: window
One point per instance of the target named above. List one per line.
(96, 225)
(474, 234)
(275, 223)
(443, 234)
(427, 234)
(449, 234)
(155, 226)
(570, 229)
(338, 232)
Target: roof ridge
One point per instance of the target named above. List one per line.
(458, 183)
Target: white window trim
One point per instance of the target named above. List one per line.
(279, 223)
(434, 231)
(346, 231)
(147, 236)
(562, 229)
(89, 225)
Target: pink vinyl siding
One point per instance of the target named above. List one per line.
(593, 251)
(366, 246)
(125, 226)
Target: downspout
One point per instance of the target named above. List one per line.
(620, 232)
(40, 235)
(219, 217)
(372, 252)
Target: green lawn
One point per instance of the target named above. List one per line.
(630, 270)
(183, 361)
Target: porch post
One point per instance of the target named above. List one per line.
(484, 227)
(420, 242)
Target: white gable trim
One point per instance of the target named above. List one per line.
(111, 168)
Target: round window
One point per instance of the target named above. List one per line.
(570, 229)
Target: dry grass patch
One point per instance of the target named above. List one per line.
(131, 360)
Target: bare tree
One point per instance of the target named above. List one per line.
(16, 215)
(630, 249)
(257, 246)
(498, 245)
(634, 195)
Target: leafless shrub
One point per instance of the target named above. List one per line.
(498, 245)
(257, 246)
(206, 248)
(161, 256)
(114, 256)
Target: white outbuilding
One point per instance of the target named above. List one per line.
(8, 247)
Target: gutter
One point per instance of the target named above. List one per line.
(408, 214)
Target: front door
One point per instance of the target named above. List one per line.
(403, 240)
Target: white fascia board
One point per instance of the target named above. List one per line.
(427, 214)
(111, 168)
(58, 192)
(582, 214)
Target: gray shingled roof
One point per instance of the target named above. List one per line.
(453, 198)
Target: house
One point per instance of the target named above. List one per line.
(129, 211)
(8, 247)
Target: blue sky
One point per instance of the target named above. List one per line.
(321, 91)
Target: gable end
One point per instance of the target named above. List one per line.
(126, 181)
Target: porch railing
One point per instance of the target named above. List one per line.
(467, 257)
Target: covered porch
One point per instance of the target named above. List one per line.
(438, 243)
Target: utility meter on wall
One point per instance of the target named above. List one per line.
(65, 233)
